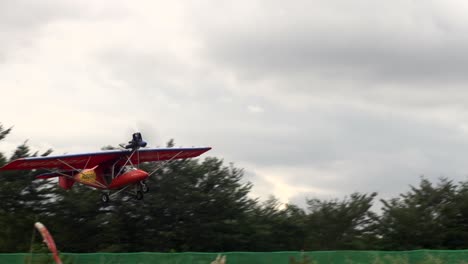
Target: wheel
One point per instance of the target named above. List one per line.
(144, 187)
(139, 195)
(105, 197)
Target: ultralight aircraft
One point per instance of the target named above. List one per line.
(110, 171)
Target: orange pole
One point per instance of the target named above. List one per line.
(48, 240)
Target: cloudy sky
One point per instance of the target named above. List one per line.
(313, 98)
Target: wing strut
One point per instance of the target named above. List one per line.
(66, 164)
(164, 163)
(129, 161)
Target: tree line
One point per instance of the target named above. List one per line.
(204, 205)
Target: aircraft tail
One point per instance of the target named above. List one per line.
(64, 181)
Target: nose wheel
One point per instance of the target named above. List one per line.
(144, 187)
(140, 189)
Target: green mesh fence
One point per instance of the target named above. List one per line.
(317, 257)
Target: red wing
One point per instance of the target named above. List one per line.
(65, 162)
(87, 160)
(162, 154)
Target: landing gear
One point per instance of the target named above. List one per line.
(139, 195)
(138, 191)
(144, 187)
(105, 198)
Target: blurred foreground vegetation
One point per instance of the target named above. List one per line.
(204, 205)
(316, 257)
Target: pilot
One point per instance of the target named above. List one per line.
(107, 175)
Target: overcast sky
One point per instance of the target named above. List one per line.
(313, 98)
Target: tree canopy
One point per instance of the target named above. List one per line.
(206, 205)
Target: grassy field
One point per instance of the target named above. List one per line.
(318, 257)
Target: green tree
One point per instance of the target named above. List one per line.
(424, 217)
(456, 219)
(196, 206)
(339, 225)
(23, 200)
(75, 211)
(275, 226)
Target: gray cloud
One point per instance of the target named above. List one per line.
(402, 42)
(321, 98)
(22, 22)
